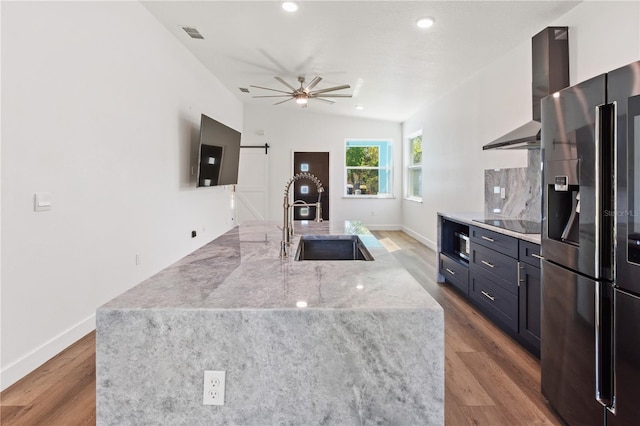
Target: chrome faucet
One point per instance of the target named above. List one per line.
(287, 231)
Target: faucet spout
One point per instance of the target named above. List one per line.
(287, 230)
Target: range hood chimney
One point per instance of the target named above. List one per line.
(550, 62)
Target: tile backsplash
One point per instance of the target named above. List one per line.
(514, 193)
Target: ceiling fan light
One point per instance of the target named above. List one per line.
(301, 99)
(289, 6)
(425, 22)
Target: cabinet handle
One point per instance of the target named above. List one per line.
(488, 264)
(520, 268)
(537, 256)
(450, 271)
(487, 238)
(487, 295)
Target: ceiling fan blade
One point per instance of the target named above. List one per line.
(272, 96)
(293, 89)
(281, 102)
(324, 100)
(266, 88)
(329, 95)
(313, 84)
(330, 89)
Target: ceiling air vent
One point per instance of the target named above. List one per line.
(243, 89)
(193, 33)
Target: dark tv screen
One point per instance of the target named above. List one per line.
(219, 153)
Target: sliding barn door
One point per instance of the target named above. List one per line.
(252, 191)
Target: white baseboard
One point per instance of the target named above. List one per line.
(25, 365)
(424, 240)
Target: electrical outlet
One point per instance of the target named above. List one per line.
(213, 393)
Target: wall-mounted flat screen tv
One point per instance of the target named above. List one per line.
(219, 153)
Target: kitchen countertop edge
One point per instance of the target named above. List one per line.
(469, 218)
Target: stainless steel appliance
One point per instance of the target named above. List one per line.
(549, 73)
(590, 351)
(462, 245)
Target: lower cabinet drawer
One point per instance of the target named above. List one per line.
(502, 269)
(455, 273)
(530, 253)
(497, 302)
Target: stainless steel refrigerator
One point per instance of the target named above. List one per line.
(590, 349)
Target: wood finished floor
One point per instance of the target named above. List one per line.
(489, 379)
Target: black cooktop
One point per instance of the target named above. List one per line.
(521, 226)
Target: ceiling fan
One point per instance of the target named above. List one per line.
(304, 93)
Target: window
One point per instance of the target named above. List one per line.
(368, 168)
(414, 167)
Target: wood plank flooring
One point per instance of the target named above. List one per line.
(489, 379)
(61, 392)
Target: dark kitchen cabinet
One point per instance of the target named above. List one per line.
(529, 296)
(455, 272)
(500, 275)
(494, 276)
(495, 241)
(453, 257)
(498, 304)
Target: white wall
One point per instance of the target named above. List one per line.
(497, 99)
(101, 108)
(298, 130)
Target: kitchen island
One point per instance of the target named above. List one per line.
(301, 342)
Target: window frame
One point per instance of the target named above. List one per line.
(387, 145)
(411, 167)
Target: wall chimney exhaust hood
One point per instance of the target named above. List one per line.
(550, 63)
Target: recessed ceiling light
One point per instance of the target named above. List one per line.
(425, 22)
(289, 6)
(359, 107)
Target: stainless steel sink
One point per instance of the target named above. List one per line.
(332, 247)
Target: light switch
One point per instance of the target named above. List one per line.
(42, 201)
(502, 193)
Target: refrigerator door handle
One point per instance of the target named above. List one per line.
(604, 344)
(605, 190)
(598, 202)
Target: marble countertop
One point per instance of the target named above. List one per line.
(470, 217)
(242, 270)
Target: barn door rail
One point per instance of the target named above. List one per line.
(265, 147)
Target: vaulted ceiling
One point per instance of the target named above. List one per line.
(392, 66)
